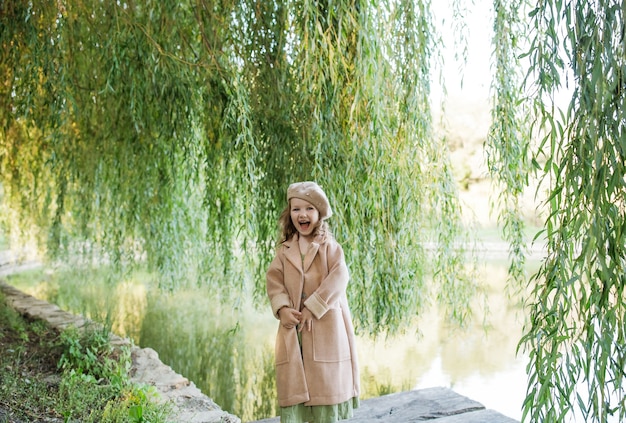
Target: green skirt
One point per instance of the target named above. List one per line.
(301, 413)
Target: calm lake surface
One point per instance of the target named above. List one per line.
(228, 353)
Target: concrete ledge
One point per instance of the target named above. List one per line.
(439, 404)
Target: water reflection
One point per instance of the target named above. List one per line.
(229, 353)
(225, 352)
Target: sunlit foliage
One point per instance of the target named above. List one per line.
(166, 132)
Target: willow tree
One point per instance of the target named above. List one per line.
(577, 322)
(165, 133)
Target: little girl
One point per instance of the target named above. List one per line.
(316, 366)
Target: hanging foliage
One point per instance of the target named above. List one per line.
(576, 331)
(508, 143)
(166, 132)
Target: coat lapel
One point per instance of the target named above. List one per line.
(310, 255)
(293, 253)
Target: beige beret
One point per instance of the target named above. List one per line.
(313, 193)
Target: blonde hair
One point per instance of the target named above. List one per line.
(288, 230)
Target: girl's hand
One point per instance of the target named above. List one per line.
(306, 320)
(289, 317)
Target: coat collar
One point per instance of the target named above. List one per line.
(293, 253)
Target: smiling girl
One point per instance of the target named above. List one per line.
(317, 373)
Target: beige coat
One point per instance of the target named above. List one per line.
(326, 371)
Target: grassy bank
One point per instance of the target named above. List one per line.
(50, 376)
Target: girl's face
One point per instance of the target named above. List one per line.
(305, 216)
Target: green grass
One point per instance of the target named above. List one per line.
(67, 377)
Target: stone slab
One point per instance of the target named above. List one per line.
(148, 369)
(441, 405)
(423, 404)
(482, 416)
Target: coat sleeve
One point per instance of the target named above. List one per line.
(275, 284)
(334, 285)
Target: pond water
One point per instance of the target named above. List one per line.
(228, 353)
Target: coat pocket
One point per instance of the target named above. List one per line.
(330, 338)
